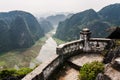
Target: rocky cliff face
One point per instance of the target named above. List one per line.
(97, 22)
(18, 29)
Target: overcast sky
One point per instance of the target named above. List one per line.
(51, 6)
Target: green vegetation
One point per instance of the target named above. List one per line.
(97, 22)
(18, 30)
(89, 71)
(117, 42)
(58, 41)
(7, 73)
(21, 57)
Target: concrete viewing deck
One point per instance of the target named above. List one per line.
(81, 59)
(69, 74)
(72, 55)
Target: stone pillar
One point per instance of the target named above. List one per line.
(85, 35)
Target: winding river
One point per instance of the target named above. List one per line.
(48, 50)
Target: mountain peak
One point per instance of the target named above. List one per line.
(98, 22)
(113, 8)
(111, 13)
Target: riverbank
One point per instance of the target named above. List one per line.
(20, 57)
(31, 56)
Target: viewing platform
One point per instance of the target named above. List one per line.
(71, 56)
(81, 59)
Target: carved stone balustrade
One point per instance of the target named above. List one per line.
(70, 47)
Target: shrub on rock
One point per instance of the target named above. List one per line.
(89, 71)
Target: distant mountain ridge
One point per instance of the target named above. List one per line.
(55, 19)
(97, 22)
(18, 29)
(46, 25)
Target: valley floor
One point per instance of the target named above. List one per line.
(22, 57)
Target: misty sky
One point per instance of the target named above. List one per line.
(51, 6)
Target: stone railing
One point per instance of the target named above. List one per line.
(44, 71)
(95, 44)
(99, 44)
(48, 70)
(64, 51)
(70, 48)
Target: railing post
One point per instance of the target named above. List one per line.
(85, 35)
(58, 51)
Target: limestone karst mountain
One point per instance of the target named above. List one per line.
(111, 14)
(18, 29)
(97, 22)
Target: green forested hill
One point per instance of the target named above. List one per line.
(111, 14)
(97, 22)
(18, 29)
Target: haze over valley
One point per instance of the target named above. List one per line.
(31, 31)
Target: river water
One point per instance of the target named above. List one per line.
(47, 51)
